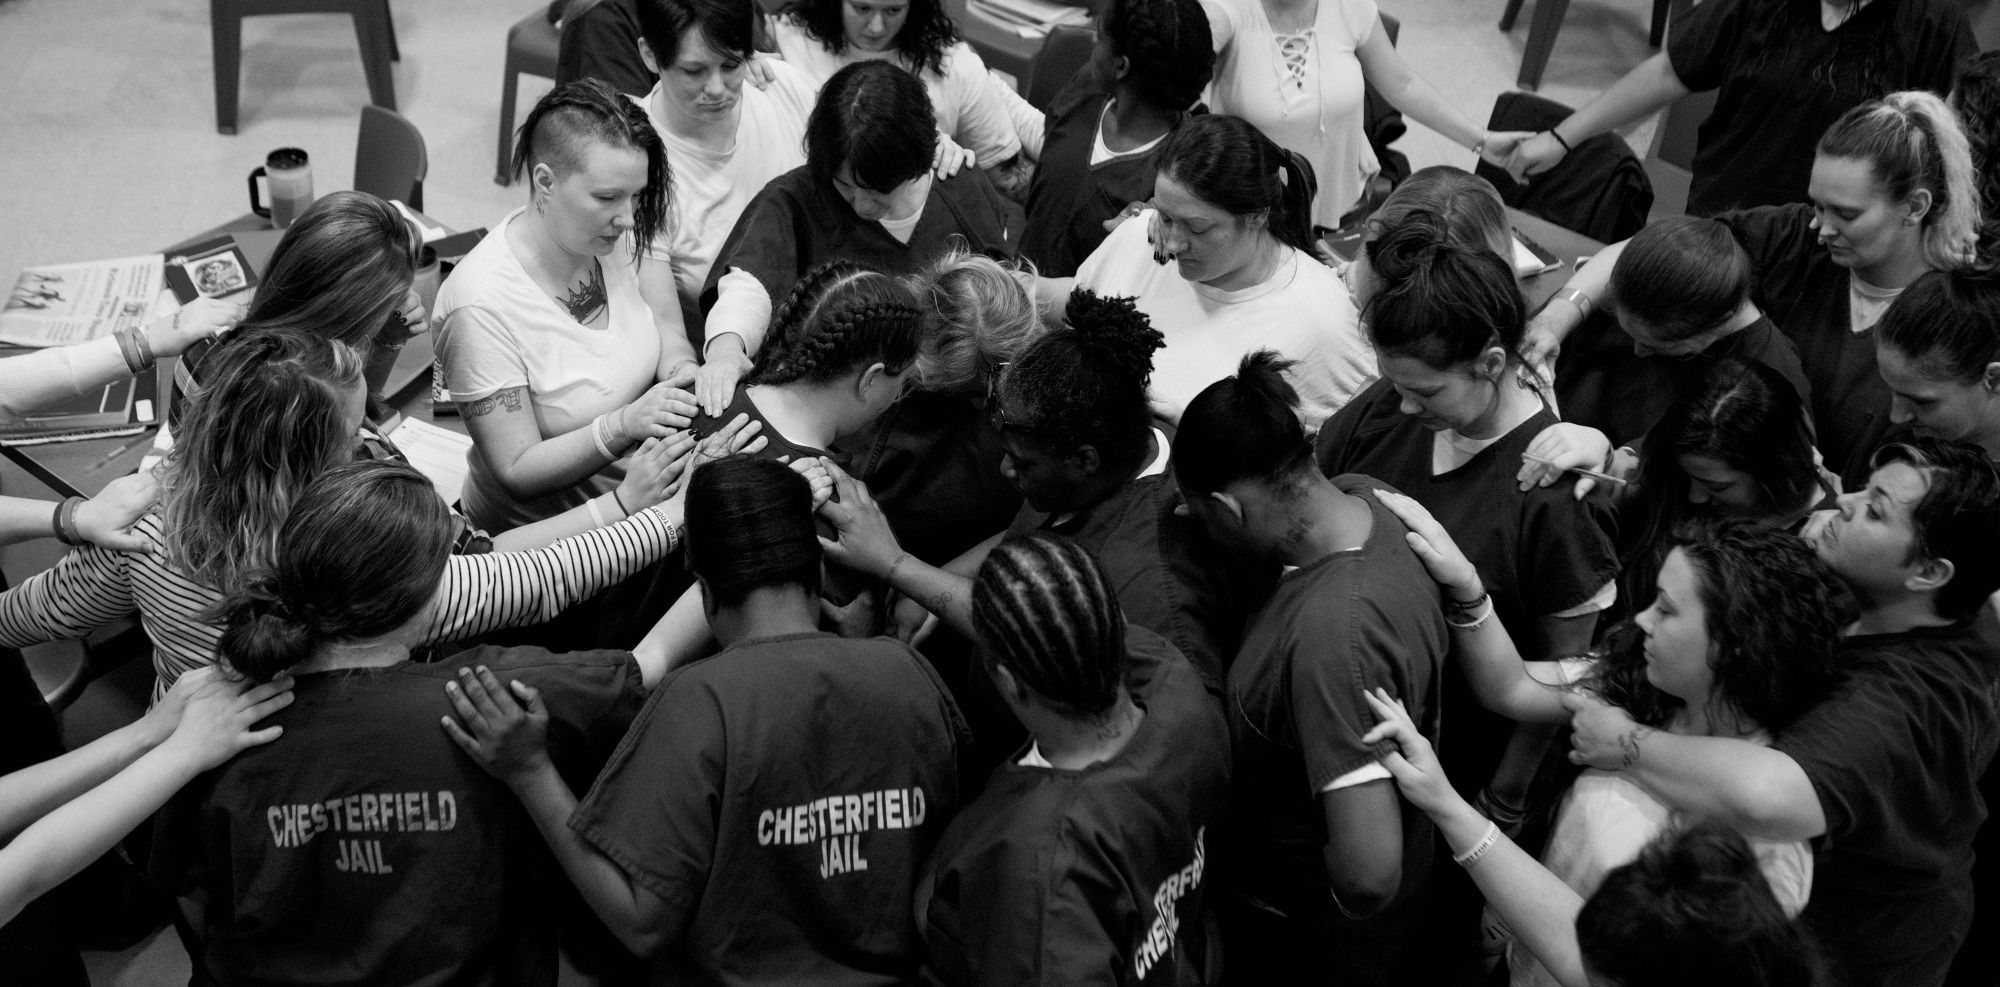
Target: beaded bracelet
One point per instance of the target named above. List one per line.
(1470, 857)
(64, 521)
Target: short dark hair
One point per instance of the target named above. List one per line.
(1694, 908)
(728, 27)
(926, 33)
(840, 316)
(1045, 611)
(1086, 384)
(361, 553)
(750, 527)
(1243, 427)
(1958, 519)
(876, 119)
(1441, 303)
(1682, 276)
(1224, 161)
(1946, 323)
(1169, 48)
(576, 115)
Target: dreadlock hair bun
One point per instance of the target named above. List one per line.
(1086, 384)
(1045, 611)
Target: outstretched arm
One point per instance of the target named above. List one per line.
(1503, 682)
(1755, 789)
(868, 546)
(213, 718)
(505, 730)
(1536, 905)
(1650, 86)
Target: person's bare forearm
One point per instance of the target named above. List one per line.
(1757, 790)
(942, 592)
(1651, 85)
(70, 837)
(34, 791)
(609, 892)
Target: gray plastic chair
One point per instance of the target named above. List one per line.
(389, 157)
(373, 29)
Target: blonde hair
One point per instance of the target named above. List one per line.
(980, 318)
(267, 423)
(1913, 141)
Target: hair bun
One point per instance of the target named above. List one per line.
(1112, 331)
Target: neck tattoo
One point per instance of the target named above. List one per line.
(586, 299)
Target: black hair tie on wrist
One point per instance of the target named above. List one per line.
(1559, 139)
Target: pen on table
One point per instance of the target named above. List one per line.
(141, 439)
(1598, 475)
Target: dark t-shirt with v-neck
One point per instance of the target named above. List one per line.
(1782, 80)
(1806, 294)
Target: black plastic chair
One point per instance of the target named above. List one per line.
(1599, 189)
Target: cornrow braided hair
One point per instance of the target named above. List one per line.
(1044, 610)
(839, 316)
(1169, 46)
(1086, 385)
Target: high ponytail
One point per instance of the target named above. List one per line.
(1912, 141)
(360, 555)
(1243, 427)
(1224, 161)
(1086, 384)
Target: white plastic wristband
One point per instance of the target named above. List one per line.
(596, 513)
(597, 436)
(1485, 614)
(1470, 857)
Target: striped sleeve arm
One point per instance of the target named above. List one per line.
(481, 593)
(89, 588)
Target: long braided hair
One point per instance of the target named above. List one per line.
(1086, 385)
(1044, 609)
(840, 316)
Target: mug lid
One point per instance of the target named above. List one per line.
(286, 157)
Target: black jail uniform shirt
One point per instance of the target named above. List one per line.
(1095, 875)
(784, 793)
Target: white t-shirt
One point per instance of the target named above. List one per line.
(963, 98)
(1303, 312)
(712, 188)
(1306, 92)
(1606, 819)
(497, 329)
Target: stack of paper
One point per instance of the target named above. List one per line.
(73, 303)
(1030, 18)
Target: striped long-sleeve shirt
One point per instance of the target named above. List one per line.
(92, 587)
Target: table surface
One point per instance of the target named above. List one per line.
(89, 464)
(1568, 246)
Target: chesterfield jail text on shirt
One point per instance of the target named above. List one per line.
(837, 822)
(295, 824)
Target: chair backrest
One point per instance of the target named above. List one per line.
(1064, 53)
(389, 157)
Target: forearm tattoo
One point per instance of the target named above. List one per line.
(509, 399)
(1628, 745)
